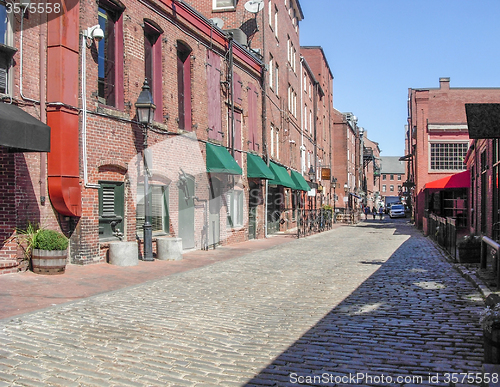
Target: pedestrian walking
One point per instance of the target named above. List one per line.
(381, 212)
(367, 212)
(374, 212)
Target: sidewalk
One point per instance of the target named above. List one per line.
(26, 292)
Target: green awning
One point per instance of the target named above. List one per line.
(281, 176)
(257, 168)
(219, 160)
(300, 182)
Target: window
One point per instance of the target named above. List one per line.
(384, 177)
(152, 64)
(223, 4)
(448, 156)
(276, 22)
(384, 188)
(399, 177)
(6, 50)
(392, 177)
(305, 118)
(110, 55)
(158, 199)
(111, 209)
(276, 76)
(235, 208)
(272, 140)
(277, 134)
(391, 188)
(271, 69)
(184, 85)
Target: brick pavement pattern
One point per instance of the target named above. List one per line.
(377, 298)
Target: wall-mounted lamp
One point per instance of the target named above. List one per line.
(94, 33)
(311, 173)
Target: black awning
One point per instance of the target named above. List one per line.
(22, 132)
(483, 120)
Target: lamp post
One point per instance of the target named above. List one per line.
(145, 109)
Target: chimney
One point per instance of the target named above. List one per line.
(444, 83)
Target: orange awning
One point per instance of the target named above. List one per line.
(458, 180)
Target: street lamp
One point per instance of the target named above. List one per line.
(311, 173)
(145, 109)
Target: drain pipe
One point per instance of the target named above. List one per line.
(84, 115)
(43, 100)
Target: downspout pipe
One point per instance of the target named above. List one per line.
(264, 123)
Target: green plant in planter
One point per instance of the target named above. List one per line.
(469, 242)
(50, 240)
(469, 249)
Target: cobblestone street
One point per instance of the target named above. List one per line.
(373, 299)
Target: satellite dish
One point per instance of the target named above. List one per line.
(217, 21)
(254, 6)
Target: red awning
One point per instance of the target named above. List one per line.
(458, 180)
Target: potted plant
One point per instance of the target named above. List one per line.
(490, 322)
(469, 249)
(49, 252)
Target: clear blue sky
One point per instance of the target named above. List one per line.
(377, 49)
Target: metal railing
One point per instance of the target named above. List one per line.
(494, 249)
(444, 232)
(313, 221)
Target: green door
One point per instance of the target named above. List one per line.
(214, 211)
(186, 212)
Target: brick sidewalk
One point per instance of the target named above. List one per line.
(26, 292)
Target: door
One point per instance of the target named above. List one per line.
(186, 212)
(253, 202)
(214, 211)
(274, 205)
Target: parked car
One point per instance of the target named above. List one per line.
(397, 211)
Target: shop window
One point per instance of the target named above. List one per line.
(234, 208)
(111, 210)
(158, 199)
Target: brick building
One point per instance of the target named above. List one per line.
(317, 106)
(346, 160)
(437, 142)
(392, 178)
(371, 167)
(92, 185)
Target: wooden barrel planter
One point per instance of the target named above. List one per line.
(49, 262)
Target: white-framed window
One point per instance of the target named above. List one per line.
(234, 208)
(391, 188)
(277, 145)
(384, 188)
(272, 140)
(276, 78)
(276, 21)
(305, 118)
(271, 69)
(448, 156)
(223, 4)
(310, 121)
(270, 16)
(6, 49)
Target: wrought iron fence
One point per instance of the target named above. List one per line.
(313, 221)
(444, 232)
